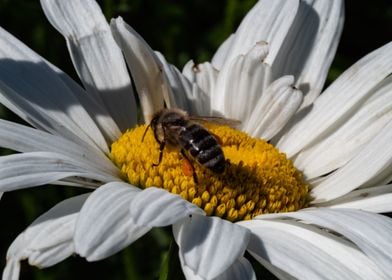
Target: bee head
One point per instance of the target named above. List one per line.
(153, 124)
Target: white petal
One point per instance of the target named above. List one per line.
(274, 109)
(209, 245)
(97, 111)
(268, 21)
(17, 51)
(95, 55)
(201, 102)
(11, 270)
(337, 103)
(146, 69)
(25, 139)
(330, 26)
(203, 74)
(38, 168)
(374, 199)
(372, 162)
(48, 240)
(104, 226)
(180, 86)
(221, 54)
(240, 84)
(279, 273)
(240, 270)
(339, 147)
(370, 232)
(186, 94)
(32, 89)
(307, 252)
(203, 77)
(154, 207)
(310, 45)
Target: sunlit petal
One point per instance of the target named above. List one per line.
(310, 46)
(339, 100)
(147, 71)
(268, 21)
(372, 199)
(346, 142)
(278, 104)
(240, 83)
(292, 246)
(369, 231)
(203, 74)
(358, 172)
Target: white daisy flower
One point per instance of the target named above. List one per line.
(311, 214)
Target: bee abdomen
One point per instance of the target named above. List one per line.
(216, 164)
(203, 147)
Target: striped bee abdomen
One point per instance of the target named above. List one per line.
(203, 147)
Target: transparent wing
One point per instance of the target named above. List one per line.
(215, 120)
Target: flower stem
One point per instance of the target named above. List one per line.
(171, 267)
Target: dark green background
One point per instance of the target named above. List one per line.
(181, 30)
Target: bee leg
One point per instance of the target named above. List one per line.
(190, 163)
(161, 147)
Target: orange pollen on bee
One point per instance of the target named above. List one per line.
(257, 179)
(187, 167)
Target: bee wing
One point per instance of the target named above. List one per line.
(215, 120)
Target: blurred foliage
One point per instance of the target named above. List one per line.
(182, 30)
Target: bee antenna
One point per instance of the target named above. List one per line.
(145, 132)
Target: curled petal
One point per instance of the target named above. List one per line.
(104, 226)
(209, 245)
(240, 270)
(154, 207)
(268, 21)
(146, 69)
(274, 109)
(241, 82)
(310, 46)
(48, 240)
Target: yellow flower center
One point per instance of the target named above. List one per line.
(258, 178)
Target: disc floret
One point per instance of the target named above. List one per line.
(257, 179)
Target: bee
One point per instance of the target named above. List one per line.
(176, 128)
